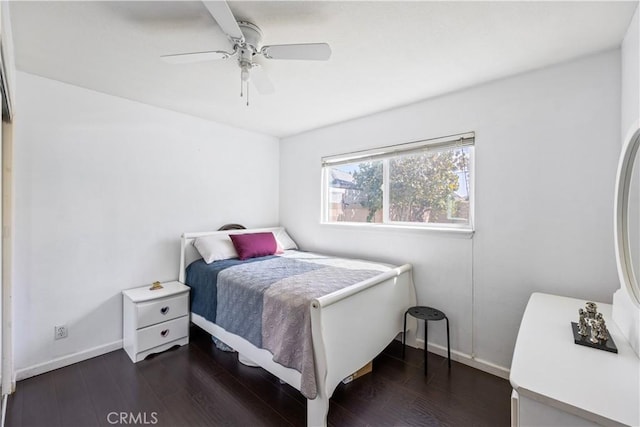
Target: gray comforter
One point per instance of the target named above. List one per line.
(268, 303)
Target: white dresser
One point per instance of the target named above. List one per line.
(155, 320)
(559, 383)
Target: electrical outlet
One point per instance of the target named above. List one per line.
(59, 332)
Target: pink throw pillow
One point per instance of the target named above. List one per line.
(253, 245)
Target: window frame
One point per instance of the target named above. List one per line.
(388, 152)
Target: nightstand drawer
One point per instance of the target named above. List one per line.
(165, 332)
(152, 312)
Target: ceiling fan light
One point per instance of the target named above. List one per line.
(244, 74)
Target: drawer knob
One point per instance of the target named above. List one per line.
(164, 310)
(164, 333)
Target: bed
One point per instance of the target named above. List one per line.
(355, 315)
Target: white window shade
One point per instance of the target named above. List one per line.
(459, 140)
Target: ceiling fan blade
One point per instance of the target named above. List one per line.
(261, 81)
(312, 51)
(185, 58)
(224, 17)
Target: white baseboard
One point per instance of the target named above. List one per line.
(70, 359)
(466, 359)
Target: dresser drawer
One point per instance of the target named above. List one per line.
(162, 333)
(152, 312)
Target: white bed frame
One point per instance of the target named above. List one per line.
(349, 327)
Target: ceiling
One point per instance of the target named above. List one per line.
(385, 54)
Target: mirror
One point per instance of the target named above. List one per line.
(627, 216)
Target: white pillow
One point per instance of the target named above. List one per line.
(284, 240)
(215, 248)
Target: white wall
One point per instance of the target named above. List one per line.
(104, 189)
(547, 144)
(630, 59)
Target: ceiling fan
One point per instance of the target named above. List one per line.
(246, 39)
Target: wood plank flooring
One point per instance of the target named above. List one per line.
(198, 385)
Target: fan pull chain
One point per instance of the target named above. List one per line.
(242, 87)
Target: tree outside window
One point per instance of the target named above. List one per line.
(425, 187)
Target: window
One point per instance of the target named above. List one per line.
(424, 183)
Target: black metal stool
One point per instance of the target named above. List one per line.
(426, 313)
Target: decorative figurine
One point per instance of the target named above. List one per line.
(594, 332)
(582, 323)
(591, 329)
(155, 286)
(603, 333)
(592, 310)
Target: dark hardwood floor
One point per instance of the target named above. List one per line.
(198, 385)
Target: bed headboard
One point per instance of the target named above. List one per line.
(232, 227)
(189, 253)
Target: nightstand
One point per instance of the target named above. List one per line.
(155, 320)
